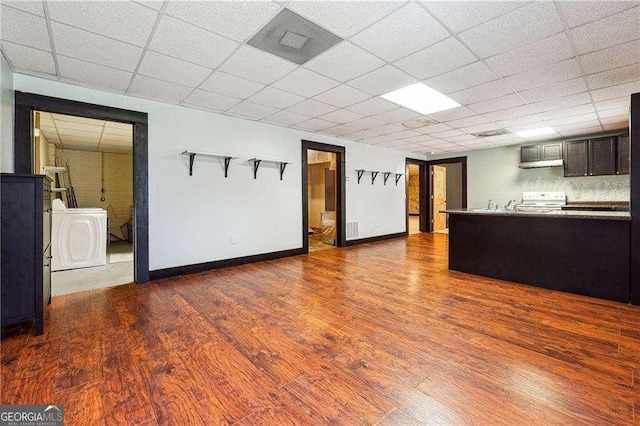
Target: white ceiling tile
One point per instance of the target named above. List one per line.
(509, 113)
(577, 125)
(516, 121)
(498, 104)
(90, 47)
(210, 100)
(344, 62)
(448, 134)
(396, 115)
(75, 119)
(403, 32)
(483, 92)
(153, 4)
(377, 139)
(522, 26)
(580, 12)
(615, 91)
(312, 108)
(545, 75)
(542, 52)
(193, 44)
(619, 119)
(341, 116)
(24, 28)
(468, 121)
(34, 6)
(383, 80)
(287, 118)
(451, 54)
(305, 83)
(342, 96)
(345, 18)
(562, 102)
(276, 98)
(151, 88)
(567, 112)
(404, 134)
(614, 77)
(607, 32)
(388, 129)
(338, 130)
(372, 106)
(621, 102)
(615, 126)
(28, 58)
(234, 19)
(124, 21)
(572, 119)
(616, 112)
(527, 126)
(419, 139)
(230, 85)
(362, 134)
(314, 125)
(555, 90)
(581, 131)
(255, 65)
(78, 129)
(462, 78)
(435, 128)
(251, 110)
(452, 114)
(459, 18)
(465, 138)
(613, 57)
(98, 75)
(166, 68)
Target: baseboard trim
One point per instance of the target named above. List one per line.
(219, 264)
(376, 238)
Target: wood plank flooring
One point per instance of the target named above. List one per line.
(377, 333)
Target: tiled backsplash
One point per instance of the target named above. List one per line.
(600, 188)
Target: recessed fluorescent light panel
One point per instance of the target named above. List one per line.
(421, 98)
(536, 132)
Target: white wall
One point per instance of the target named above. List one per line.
(192, 219)
(6, 116)
(494, 174)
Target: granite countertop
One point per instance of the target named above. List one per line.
(556, 214)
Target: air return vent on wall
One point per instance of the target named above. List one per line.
(352, 230)
(488, 133)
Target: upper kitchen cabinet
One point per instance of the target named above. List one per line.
(541, 155)
(624, 153)
(576, 158)
(602, 156)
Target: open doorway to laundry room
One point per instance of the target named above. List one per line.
(447, 190)
(90, 164)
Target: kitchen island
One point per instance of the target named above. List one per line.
(582, 252)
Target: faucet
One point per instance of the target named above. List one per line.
(506, 207)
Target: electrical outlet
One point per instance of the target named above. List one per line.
(234, 239)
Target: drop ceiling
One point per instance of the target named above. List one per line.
(86, 134)
(511, 65)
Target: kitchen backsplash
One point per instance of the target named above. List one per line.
(601, 188)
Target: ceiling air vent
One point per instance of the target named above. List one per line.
(416, 123)
(488, 133)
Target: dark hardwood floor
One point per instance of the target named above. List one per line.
(376, 333)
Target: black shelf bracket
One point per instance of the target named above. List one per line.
(398, 176)
(256, 164)
(374, 175)
(192, 157)
(227, 161)
(360, 173)
(386, 176)
(282, 167)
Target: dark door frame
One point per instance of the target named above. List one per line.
(634, 140)
(341, 212)
(430, 163)
(422, 181)
(27, 103)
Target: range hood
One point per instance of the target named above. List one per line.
(541, 163)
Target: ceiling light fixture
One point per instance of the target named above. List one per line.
(421, 98)
(532, 133)
(293, 40)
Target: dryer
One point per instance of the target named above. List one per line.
(78, 237)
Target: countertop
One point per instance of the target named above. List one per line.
(562, 214)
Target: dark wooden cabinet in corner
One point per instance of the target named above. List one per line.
(575, 158)
(602, 156)
(624, 155)
(25, 277)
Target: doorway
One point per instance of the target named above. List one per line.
(448, 190)
(323, 197)
(90, 164)
(416, 195)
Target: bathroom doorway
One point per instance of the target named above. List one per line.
(447, 190)
(322, 196)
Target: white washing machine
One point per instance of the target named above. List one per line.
(78, 237)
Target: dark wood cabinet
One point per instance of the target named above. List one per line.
(624, 155)
(541, 152)
(25, 281)
(602, 156)
(576, 158)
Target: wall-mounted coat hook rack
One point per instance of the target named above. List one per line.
(192, 156)
(374, 175)
(360, 172)
(398, 176)
(256, 165)
(386, 176)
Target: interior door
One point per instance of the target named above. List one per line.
(439, 197)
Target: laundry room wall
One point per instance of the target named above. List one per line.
(192, 219)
